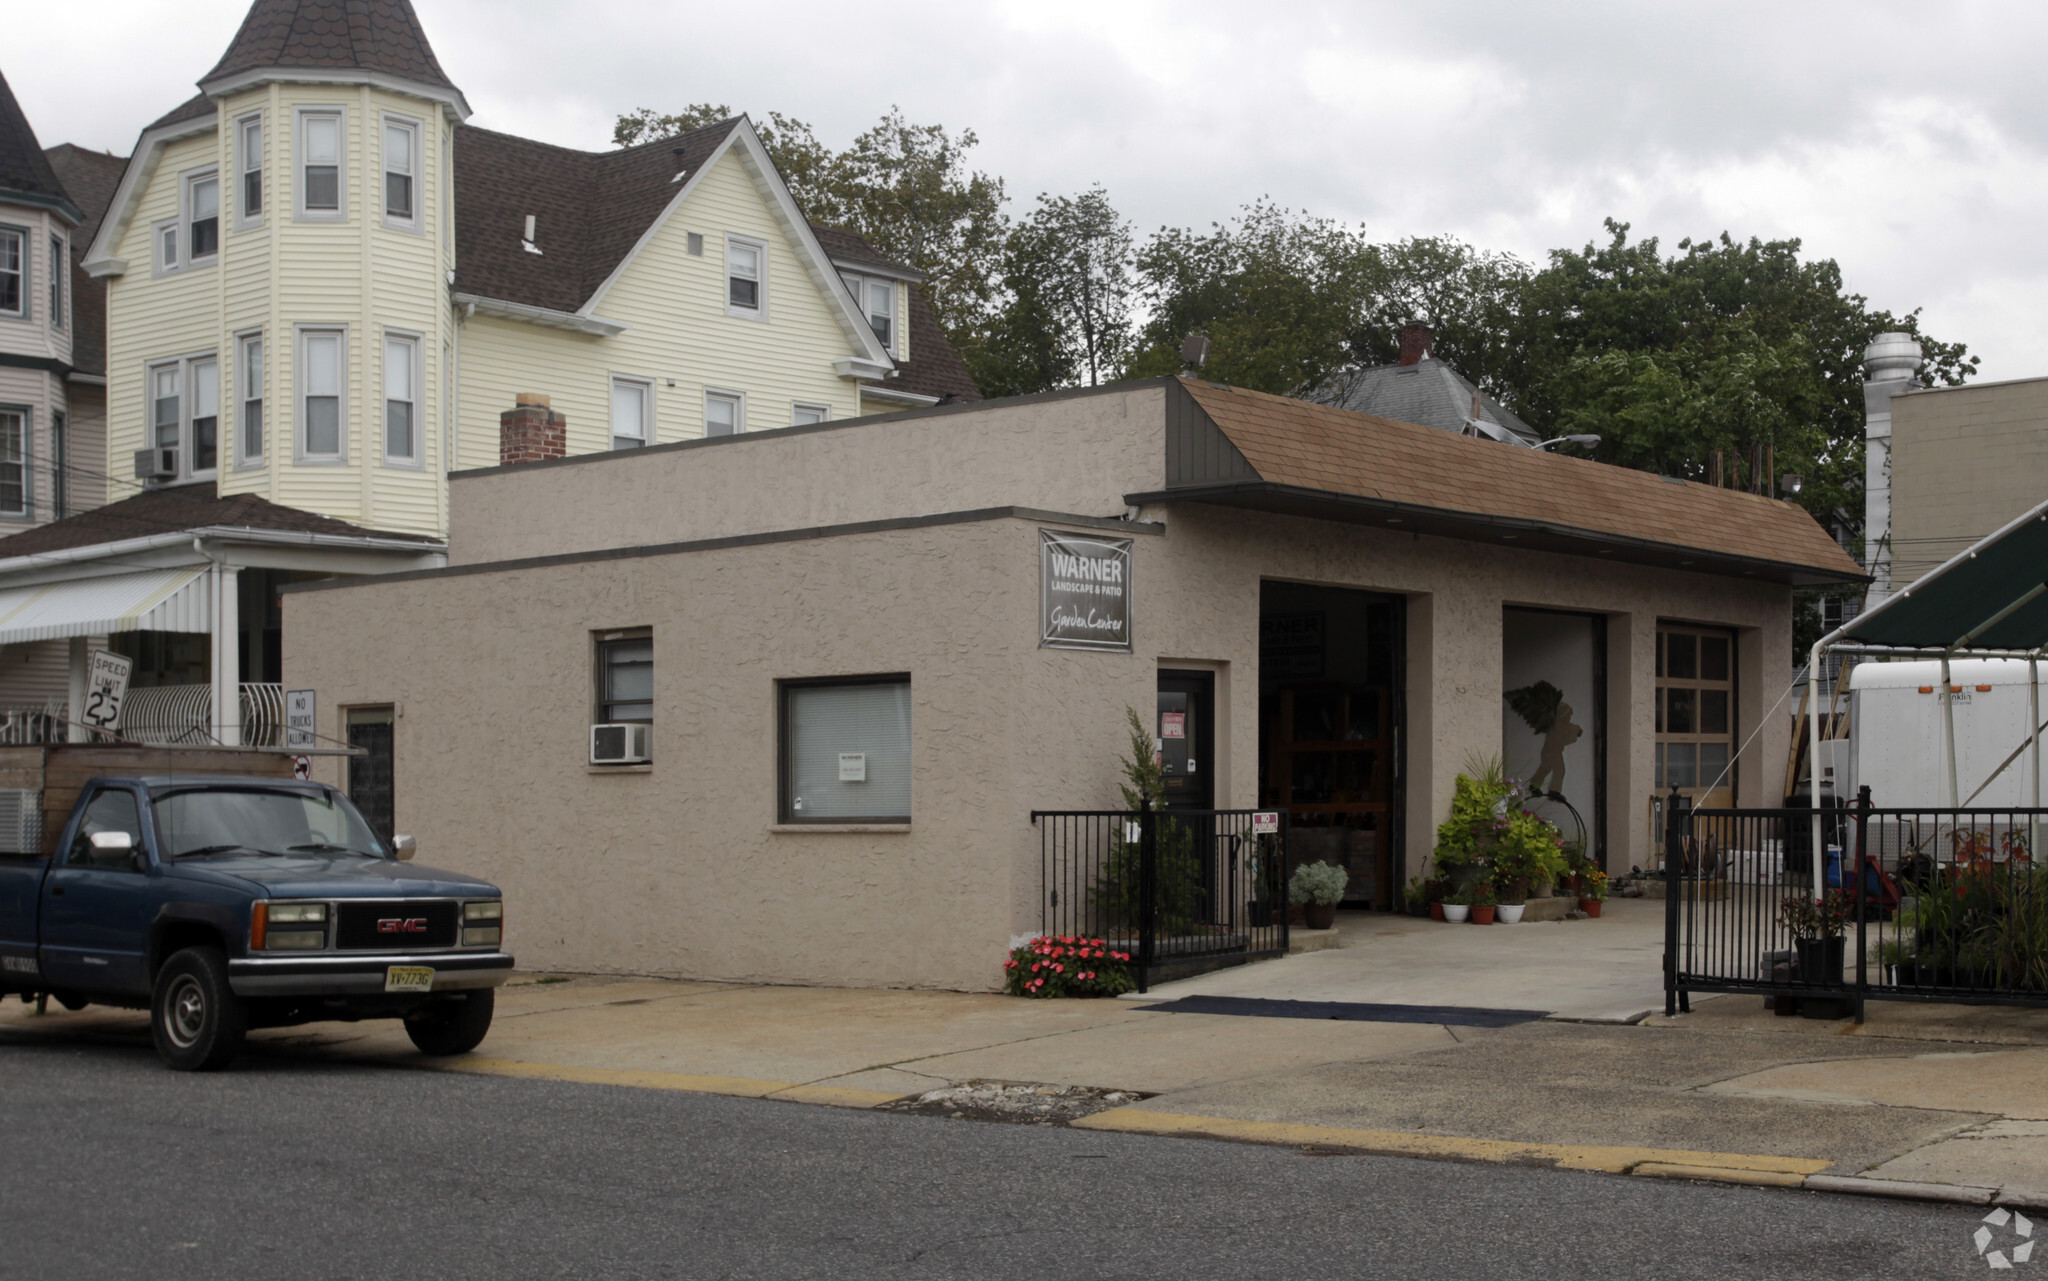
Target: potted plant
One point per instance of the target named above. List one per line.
(1817, 938)
(1435, 889)
(1483, 904)
(1415, 897)
(1592, 889)
(1318, 887)
(1457, 905)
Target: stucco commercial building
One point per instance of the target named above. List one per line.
(867, 650)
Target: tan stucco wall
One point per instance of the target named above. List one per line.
(1078, 454)
(1965, 460)
(679, 869)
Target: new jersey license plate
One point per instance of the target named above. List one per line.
(409, 978)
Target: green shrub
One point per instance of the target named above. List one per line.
(1318, 883)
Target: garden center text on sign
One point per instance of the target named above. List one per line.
(1084, 592)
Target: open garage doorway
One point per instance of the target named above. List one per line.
(1332, 669)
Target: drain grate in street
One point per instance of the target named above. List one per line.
(1013, 1104)
(1354, 1011)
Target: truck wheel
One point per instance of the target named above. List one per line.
(195, 1018)
(452, 1027)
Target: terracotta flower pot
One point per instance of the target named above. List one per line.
(1320, 916)
(1482, 915)
(1590, 906)
(1436, 911)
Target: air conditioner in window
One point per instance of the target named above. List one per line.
(156, 464)
(620, 744)
(21, 822)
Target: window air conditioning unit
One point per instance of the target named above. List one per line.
(620, 744)
(156, 464)
(21, 822)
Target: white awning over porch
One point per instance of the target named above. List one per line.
(159, 600)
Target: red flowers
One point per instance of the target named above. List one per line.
(1049, 973)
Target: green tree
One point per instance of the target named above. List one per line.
(1064, 317)
(1469, 296)
(805, 163)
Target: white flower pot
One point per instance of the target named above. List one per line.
(1509, 913)
(1457, 912)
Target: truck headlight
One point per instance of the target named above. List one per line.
(306, 940)
(484, 910)
(297, 913)
(481, 935)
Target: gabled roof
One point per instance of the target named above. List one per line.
(91, 177)
(350, 35)
(25, 174)
(1429, 392)
(196, 107)
(934, 367)
(591, 208)
(182, 507)
(1233, 447)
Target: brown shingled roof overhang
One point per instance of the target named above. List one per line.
(1247, 449)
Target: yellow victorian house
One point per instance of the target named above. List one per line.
(325, 291)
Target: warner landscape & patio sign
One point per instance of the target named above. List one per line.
(1084, 592)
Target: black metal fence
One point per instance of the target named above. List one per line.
(1180, 890)
(1915, 905)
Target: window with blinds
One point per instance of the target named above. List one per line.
(846, 751)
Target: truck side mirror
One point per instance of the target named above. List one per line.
(110, 843)
(402, 848)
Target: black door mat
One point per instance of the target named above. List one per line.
(1356, 1011)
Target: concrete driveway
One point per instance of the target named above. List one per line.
(1608, 970)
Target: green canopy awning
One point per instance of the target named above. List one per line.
(1992, 597)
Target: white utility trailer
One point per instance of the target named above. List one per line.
(1897, 743)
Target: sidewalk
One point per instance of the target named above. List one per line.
(1946, 1095)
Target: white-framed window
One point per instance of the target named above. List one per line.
(746, 278)
(625, 676)
(805, 415)
(13, 272)
(694, 241)
(877, 299)
(725, 413)
(60, 466)
(202, 216)
(249, 399)
(401, 168)
(402, 378)
(204, 383)
(184, 413)
(57, 275)
(632, 411)
(249, 168)
(13, 461)
(845, 750)
(165, 236)
(322, 143)
(322, 406)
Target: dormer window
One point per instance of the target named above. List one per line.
(877, 300)
(744, 278)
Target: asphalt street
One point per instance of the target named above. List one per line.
(293, 1167)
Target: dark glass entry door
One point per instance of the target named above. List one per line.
(1187, 737)
(369, 775)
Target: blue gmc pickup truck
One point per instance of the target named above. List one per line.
(222, 904)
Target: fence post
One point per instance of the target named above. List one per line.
(1148, 891)
(1673, 856)
(1862, 844)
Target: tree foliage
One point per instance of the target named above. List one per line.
(1065, 313)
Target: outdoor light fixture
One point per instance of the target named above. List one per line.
(1791, 483)
(1587, 441)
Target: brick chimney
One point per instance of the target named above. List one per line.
(531, 432)
(1415, 340)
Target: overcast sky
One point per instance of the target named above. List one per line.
(1903, 140)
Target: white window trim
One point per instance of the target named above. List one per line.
(739, 426)
(298, 415)
(413, 125)
(246, 461)
(28, 462)
(28, 253)
(857, 284)
(187, 435)
(760, 248)
(183, 365)
(646, 386)
(244, 220)
(824, 413)
(160, 264)
(58, 295)
(299, 211)
(416, 460)
(185, 184)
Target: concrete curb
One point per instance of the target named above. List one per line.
(1901, 1190)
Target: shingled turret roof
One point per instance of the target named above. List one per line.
(360, 35)
(25, 173)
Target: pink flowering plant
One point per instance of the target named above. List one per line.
(1067, 965)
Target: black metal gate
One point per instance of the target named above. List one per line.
(1915, 905)
(1180, 890)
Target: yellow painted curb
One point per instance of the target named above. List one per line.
(1720, 1174)
(740, 1086)
(1567, 1156)
(837, 1096)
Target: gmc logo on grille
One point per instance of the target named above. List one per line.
(402, 925)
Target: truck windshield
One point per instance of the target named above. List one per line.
(223, 819)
